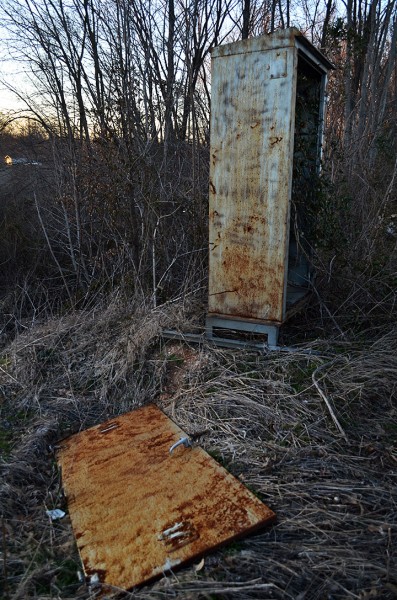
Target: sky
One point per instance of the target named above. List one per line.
(8, 101)
(8, 73)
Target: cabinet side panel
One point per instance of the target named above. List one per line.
(250, 182)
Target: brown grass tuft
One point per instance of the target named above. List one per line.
(261, 415)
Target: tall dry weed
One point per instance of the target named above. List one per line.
(260, 414)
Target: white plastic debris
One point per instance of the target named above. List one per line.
(94, 579)
(55, 514)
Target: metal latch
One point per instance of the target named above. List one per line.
(183, 441)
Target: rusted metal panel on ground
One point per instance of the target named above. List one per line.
(138, 510)
(252, 133)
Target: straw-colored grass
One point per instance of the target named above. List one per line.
(313, 433)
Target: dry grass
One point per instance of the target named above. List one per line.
(272, 419)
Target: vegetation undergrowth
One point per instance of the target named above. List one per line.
(266, 416)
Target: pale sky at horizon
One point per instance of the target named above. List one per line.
(9, 72)
(12, 72)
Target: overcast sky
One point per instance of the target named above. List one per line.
(11, 73)
(8, 73)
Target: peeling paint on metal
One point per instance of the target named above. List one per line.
(252, 139)
(138, 511)
(253, 105)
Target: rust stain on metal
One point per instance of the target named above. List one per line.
(252, 96)
(137, 510)
(257, 270)
(275, 140)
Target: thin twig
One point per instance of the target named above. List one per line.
(43, 227)
(331, 316)
(11, 377)
(330, 409)
(5, 573)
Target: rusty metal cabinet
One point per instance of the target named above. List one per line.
(266, 133)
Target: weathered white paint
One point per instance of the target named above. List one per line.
(252, 145)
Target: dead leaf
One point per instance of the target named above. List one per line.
(199, 566)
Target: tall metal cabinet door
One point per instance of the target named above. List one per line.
(252, 128)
